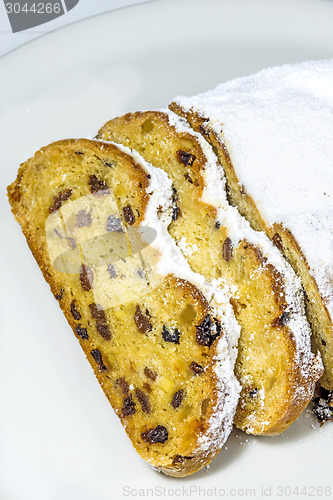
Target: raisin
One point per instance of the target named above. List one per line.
(101, 322)
(97, 355)
(253, 393)
(123, 385)
(59, 295)
(150, 373)
(79, 152)
(112, 271)
(74, 312)
(176, 209)
(128, 215)
(158, 434)
(72, 242)
(142, 322)
(188, 178)
(208, 331)
(170, 336)
(82, 332)
(113, 224)
(202, 129)
(175, 213)
(59, 199)
(260, 257)
(198, 369)
(108, 163)
(277, 241)
(281, 320)
(217, 225)
(323, 406)
(83, 219)
(323, 342)
(104, 330)
(128, 406)
(177, 398)
(227, 249)
(144, 401)
(147, 387)
(57, 233)
(141, 274)
(179, 459)
(86, 277)
(184, 157)
(97, 184)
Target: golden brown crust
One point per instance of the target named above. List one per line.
(317, 313)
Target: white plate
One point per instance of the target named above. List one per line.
(59, 438)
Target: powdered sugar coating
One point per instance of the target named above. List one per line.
(158, 216)
(278, 127)
(238, 227)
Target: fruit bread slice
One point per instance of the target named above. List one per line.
(158, 337)
(272, 132)
(275, 366)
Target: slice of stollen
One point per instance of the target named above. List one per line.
(272, 132)
(275, 366)
(158, 336)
